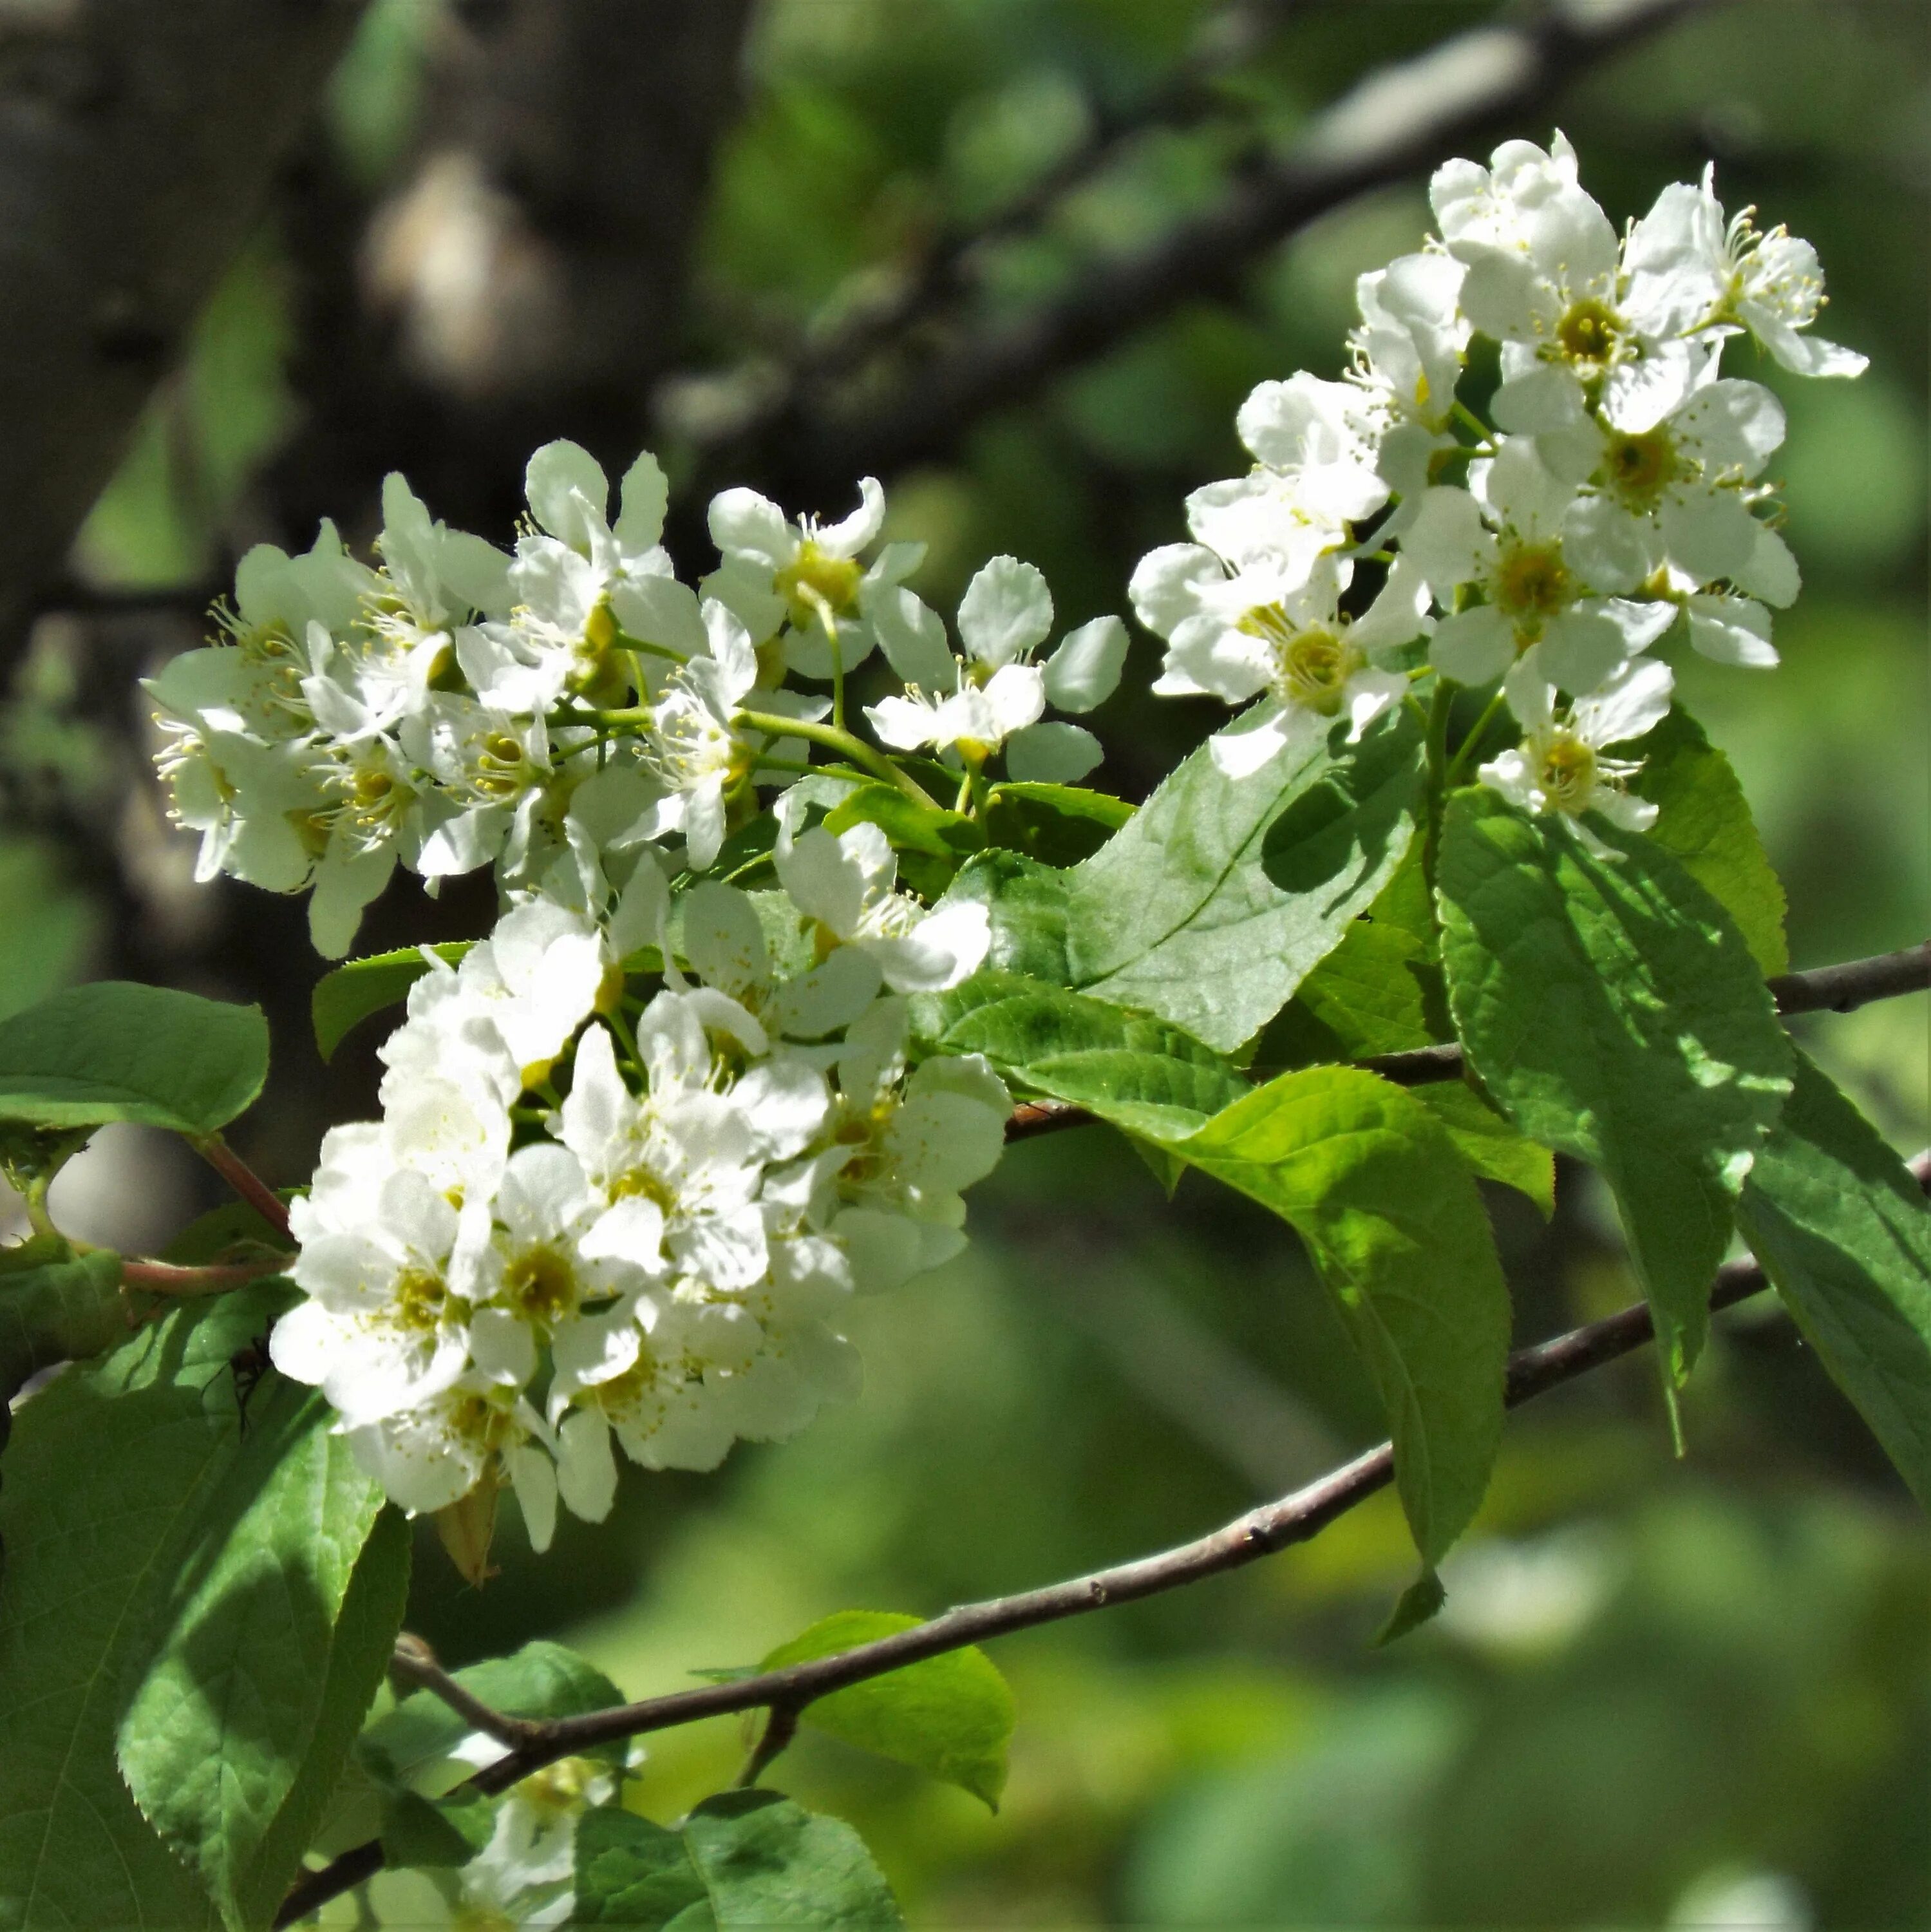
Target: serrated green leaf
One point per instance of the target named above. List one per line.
(1138, 1072)
(1841, 1226)
(65, 1309)
(1370, 1179)
(1704, 820)
(1614, 1013)
(228, 1661)
(951, 1715)
(110, 1476)
(1213, 904)
(541, 1680)
(1026, 909)
(1380, 991)
(630, 1872)
(754, 1860)
(365, 1634)
(349, 993)
(1056, 825)
(114, 1051)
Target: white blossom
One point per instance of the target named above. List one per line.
(1562, 765)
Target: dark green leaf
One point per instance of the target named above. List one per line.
(1025, 905)
(1210, 907)
(1841, 1226)
(1420, 1602)
(365, 1634)
(1614, 1013)
(1058, 825)
(541, 1680)
(632, 1872)
(66, 1308)
(228, 1660)
(1141, 1074)
(1705, 820)
(427, 1833)
(346, 996)
(749, 1859)
(950, 1715)
(232, 1231)
(114, 1051)
(115, 1477)
(1371, 1181)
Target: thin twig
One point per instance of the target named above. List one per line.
(217, 1278)
(780, 1728)
(416, 1664)
(246, 1182)
(1264, 1531)
(1836, 989)
(1398, 121)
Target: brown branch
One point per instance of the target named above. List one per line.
(1398, 121)
(1264, 1531)
(217, 1278)
(1836, 989)
(416, 1665)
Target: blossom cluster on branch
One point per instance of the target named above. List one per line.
(641, 1146)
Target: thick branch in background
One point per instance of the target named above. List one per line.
(1264, 1531)
(1395, 125)
(138, 142)
(527, 279)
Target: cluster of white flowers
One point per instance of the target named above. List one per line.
(442, 710)
(586, 1216)
(1617, 489)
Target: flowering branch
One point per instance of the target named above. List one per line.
(1397, 122)
(1838, 989)
(1264, 1531)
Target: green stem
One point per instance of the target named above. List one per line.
(835, 738)
(838, 674)
(1472, 743)
(1467, 417)
(1441, 702)
(222, 1278)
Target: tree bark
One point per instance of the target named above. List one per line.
(138, 141)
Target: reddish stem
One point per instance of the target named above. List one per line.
(246, 1182)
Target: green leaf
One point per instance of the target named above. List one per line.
(541, 1680)
(630, 1872)
(423, 1833)
(66, 1308)
(1420, 1602)
(227, 1667)
(121, 1478)
(750, 1859)
(1841, 1226)
(931, 842)
(114, 1051)
(1380, 991)
(1141, 1074)
(232, 1230)
(1705, 820)
(1026, 907)
(365, 1634)
(1370, 1181)
(1058, 825)
(1210, 907)
(1614, 1013)
(348, 994)
(950, 1715)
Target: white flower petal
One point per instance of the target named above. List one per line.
(1006, 611)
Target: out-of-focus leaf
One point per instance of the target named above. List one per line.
(950, 1715)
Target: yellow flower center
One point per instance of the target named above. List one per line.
(1587, 332)
(818, 587)
(1640, 467)
(418, 1299)
(500, 772)
(540, 1284)
(1533, 584)
(1568, 772)
(1311, 666)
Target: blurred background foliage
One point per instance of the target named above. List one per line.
(1662, 1693)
